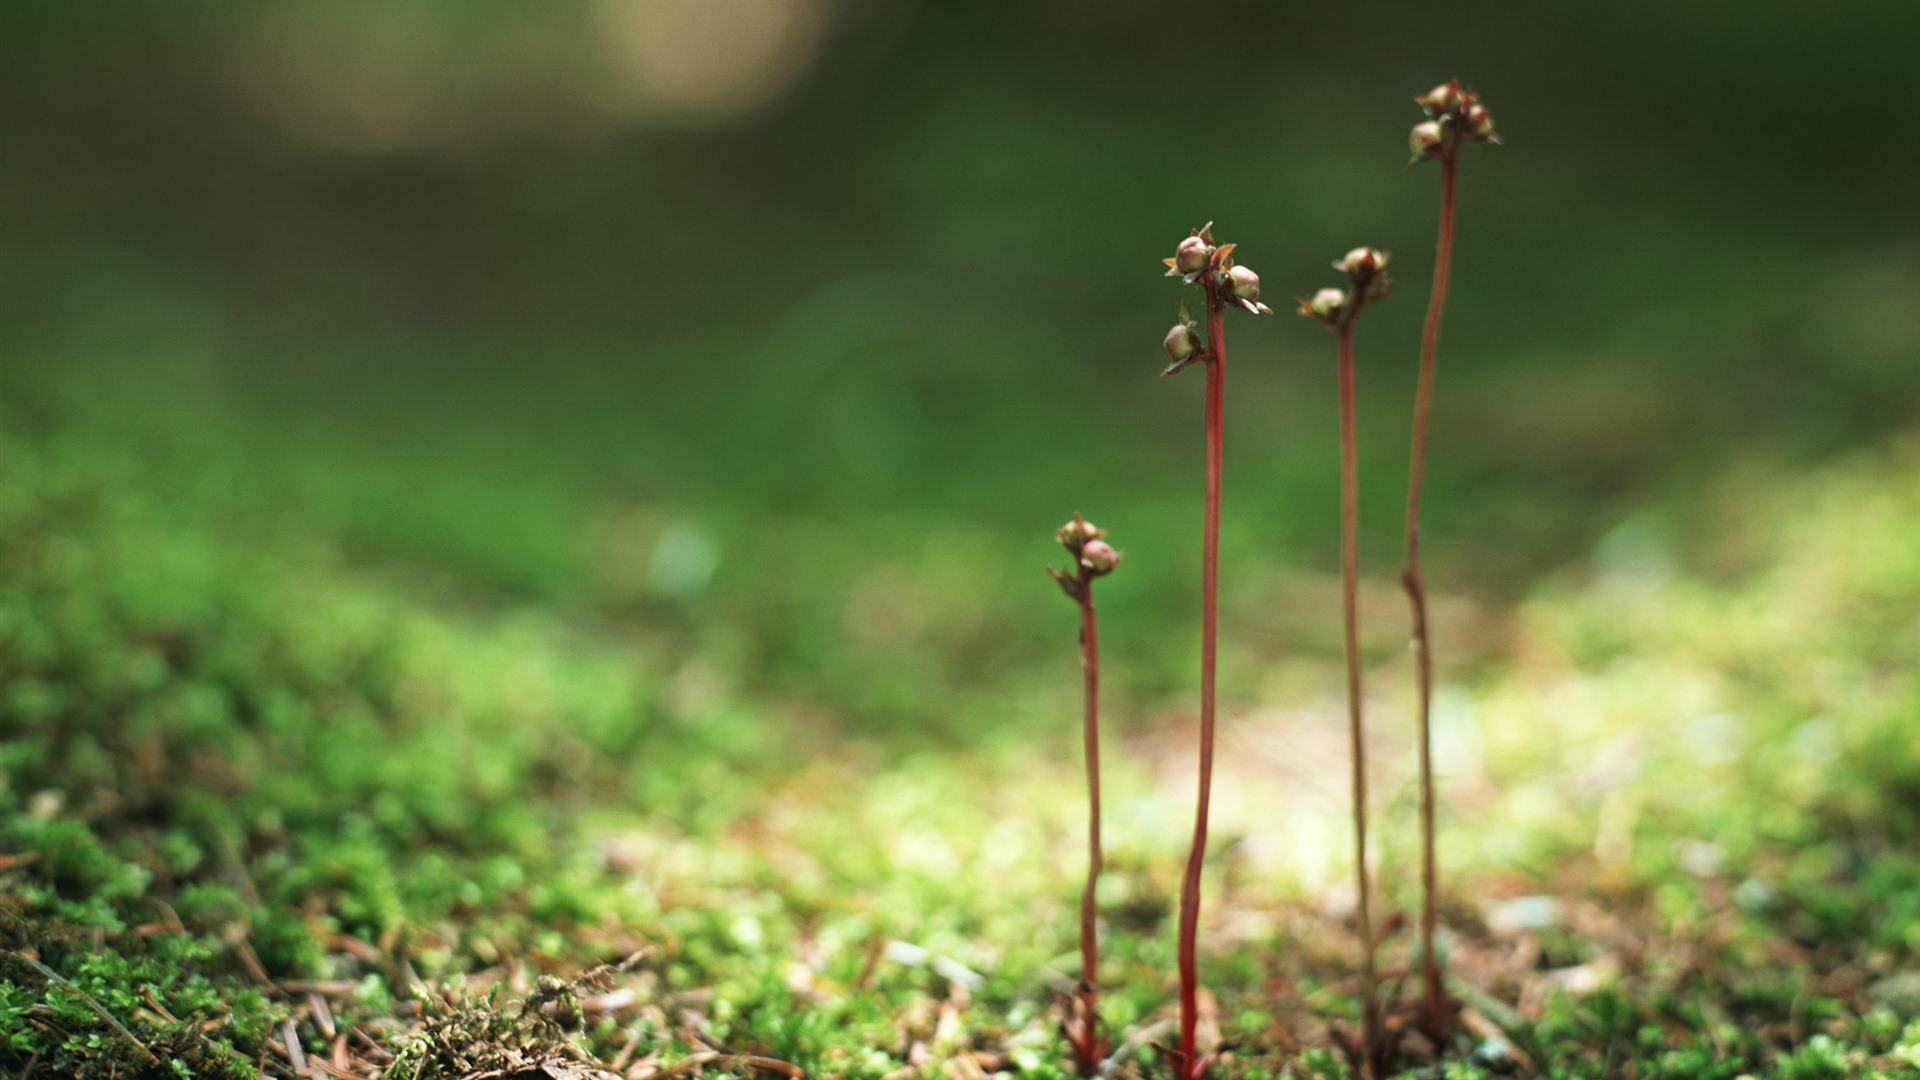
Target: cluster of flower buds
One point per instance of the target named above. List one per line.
(1454, 116)
(1091, 553)
(1366, 274)
(1199, 259)
(1367, 269)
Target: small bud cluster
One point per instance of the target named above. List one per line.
(1454, 116)
(1366, 270)
(1092, 556)
(1199, 259)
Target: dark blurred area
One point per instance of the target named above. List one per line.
(502, 285)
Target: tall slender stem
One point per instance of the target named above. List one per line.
(1434, 1005)
(1209, 609)
(1088, 1048)
(1350, 610)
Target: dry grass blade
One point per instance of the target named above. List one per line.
(701, 1059)
(290, 1038)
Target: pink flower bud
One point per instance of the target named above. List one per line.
(1442, 100)
(1362, 263)
(1099, 557)
(1181, 343)
(1479, 122)
(1192, 255)
(1425, 140)
(1326, 306)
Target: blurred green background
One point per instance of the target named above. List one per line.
(784, 331)
(487, 488)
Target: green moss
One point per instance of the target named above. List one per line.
(235, 751)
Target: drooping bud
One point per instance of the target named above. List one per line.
(1182, 343)
(1244, 286)
(1425, 140)
(1192, 255)
(1099, 557)
(1244, 283)
(1479, 123)
(1327, 306)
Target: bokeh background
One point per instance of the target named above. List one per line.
(780, 333)
(490, 489)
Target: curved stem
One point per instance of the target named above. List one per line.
(1434, 1006)
(1209, 609)
(1356, 731)
(1089, 1048)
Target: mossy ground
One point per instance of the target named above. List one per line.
(267, 785)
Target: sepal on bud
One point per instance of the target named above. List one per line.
(1069, 584)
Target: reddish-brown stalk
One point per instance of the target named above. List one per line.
(1209, 625)
(1456, 117)
(1433, 997)
(1198, 260)
(1088, 1050)
(1365, 269)
(1356, 730)
(1093, 558)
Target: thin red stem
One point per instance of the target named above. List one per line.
(1216, 359)
(1089, 1048)
(1356, 729)
(1434, 1009)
